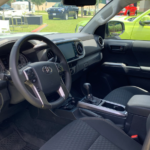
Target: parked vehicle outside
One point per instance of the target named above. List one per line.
(81, 25)
(136, 27)
(130, 10)
(61, 11)
(46, 9)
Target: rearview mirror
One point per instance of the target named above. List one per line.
(114, 28)
(79, 2)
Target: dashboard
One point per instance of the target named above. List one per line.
(81, 52)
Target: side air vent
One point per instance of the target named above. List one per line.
(50, 54)
(101, 41)
(79, 49)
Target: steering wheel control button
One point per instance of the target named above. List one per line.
(29, 74)
(60, 68)
(47, 69)
(38, 89)
(34, 80)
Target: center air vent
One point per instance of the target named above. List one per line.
(101, 41)
(50, 54)
(79, 49)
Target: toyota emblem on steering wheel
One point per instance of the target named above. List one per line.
(47, 69)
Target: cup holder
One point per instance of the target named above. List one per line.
(113, 106)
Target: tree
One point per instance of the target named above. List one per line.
(97, 4)
(38, 2)
(82, 9)
(53, 1)
(10, 1)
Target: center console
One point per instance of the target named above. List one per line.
(106, 107)
(139, 105)
(113, 111)
(91, 106)
(131, 118)
(138, 109)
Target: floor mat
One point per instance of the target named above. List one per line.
(11, 140)
(21, 132)
(38, 128)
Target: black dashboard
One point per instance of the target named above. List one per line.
(81, 51)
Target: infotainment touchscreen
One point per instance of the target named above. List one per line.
(67, 50)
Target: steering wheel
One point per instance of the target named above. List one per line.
(43, 77)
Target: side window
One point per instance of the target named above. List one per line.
(131, 23)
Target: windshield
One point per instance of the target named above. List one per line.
(46, 17)
(58, 5)
(132, 19)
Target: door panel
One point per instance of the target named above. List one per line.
(126, 57)
(141, 50)
(127, 61)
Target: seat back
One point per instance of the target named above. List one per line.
(146, 145)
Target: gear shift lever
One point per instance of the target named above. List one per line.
(87, 90)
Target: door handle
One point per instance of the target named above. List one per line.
(117, 48)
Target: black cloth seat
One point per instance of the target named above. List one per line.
(91, 134)
(123, 95)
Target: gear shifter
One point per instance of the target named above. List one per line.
(87, 90)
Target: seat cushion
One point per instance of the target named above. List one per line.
(91, 134)
(122, 95)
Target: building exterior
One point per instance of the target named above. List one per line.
(144, 5)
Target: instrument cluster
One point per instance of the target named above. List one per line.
(4, 63)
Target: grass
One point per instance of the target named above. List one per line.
(55, 25)
(139, 13)
(28, 28)
(62, 26)
(38, 12)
